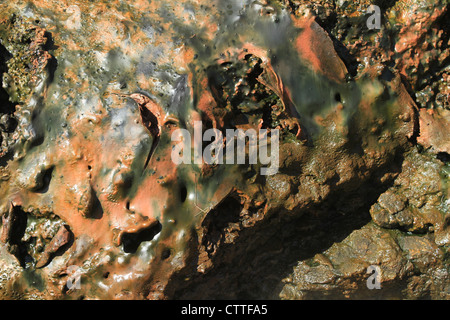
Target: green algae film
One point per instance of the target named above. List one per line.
(93, 145)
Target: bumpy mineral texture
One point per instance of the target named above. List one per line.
(92, 97)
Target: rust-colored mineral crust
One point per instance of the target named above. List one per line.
(97, 97)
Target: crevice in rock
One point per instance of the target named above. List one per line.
(7, 157)
(444, 157)
(52, 63)
(97, 208)
(132, 241)
(6, 106)
(183, 193)
(7, 122)
(14, 224)
(45, 180)
(217, 221)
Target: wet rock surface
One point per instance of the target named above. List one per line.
(93, 206)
